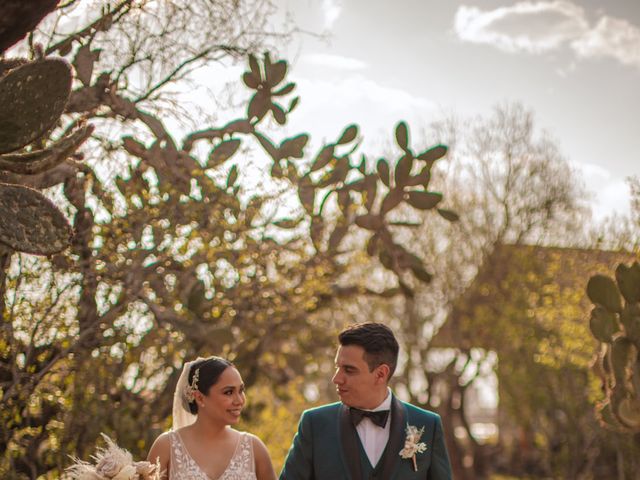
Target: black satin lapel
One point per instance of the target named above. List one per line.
(349, 441)
(396, 438)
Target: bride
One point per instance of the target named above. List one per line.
(208, 399)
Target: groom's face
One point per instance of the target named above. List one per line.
(356, 385)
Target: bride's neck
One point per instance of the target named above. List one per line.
(204, 427)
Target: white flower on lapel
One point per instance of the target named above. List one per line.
(413, 445)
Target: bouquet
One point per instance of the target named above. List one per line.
(113, 463)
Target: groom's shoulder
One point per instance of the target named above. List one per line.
(323, 410)
(415, 411)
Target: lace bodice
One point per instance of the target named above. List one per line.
(183, 467)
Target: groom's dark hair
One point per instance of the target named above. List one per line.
(378, 341)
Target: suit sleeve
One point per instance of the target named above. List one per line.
(299, 462)
(440, 468)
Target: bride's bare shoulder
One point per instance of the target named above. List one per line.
(164, 437)
(160, 448)
(264, 466)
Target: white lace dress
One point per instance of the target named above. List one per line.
(183, 467)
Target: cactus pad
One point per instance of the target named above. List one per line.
(31, 223)
(32, 98)
(617, 326)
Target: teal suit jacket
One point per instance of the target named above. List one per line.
(327, 446)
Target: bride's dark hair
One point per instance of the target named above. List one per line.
(209, 371)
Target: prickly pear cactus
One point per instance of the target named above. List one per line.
(31, 223)
(615, 322)
(32, 98)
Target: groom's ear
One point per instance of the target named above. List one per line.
(382, 373)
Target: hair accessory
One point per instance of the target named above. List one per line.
(181, 413)
(190, 390)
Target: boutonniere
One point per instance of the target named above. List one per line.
(413, 445)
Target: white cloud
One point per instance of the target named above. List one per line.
(331, 10)
(533, 27)
(327, 106)
(593, 174)
(359, 91)
(539, 27)
(611, 197)
(337, 62)
(611, 37)
(609, 193)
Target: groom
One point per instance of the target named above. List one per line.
(368, 434)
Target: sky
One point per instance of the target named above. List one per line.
(575, 64)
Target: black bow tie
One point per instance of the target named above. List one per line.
(378, 417)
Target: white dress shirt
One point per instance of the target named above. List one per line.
(374, 439)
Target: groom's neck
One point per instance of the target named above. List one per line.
(374, 400)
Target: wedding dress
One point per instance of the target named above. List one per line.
(183, 467)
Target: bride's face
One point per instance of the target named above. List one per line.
(226, 397)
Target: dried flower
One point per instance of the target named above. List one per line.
(109, 466)
(83, 471)
(146, 470)
(113, 463)
(412, 444)
(128, 472)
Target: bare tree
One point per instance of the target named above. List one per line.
(509, 184)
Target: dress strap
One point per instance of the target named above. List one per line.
(175, 449)
(243, 461)
(247, 438)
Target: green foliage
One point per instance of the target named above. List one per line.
(33, 96)
(528, 306)
(177, 258)
(615, 322)
(355, 188)
(274, 415)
